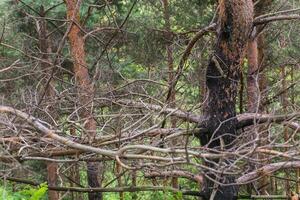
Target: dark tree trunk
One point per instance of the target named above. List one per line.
(92, 173)
(222, 78)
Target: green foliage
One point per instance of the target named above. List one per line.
(36, 193)
(27, 193)
(146, 196)
(178, 196)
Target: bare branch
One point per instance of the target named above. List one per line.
(267, 170)
(275, 18)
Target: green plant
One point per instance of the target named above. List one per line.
(27, 193)
(36, 193)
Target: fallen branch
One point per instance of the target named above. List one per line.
(51, 133)
(266, 20)
(175, 173)
(190, 117)
(244, 120)
(85, 148)
(266, 171)
(248, 119)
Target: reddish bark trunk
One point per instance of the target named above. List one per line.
(256, 80)
(85, 87)
(52, 180)
(222, 78)
(254, 87)
(252, 78)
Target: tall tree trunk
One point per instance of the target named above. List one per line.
(74, 169)
(255, 84)
(52, 180)
(45, 49)
(85, 88)
(134, 195)
(284, 102)
(256, 80)
(222, 78)
(293, 103)
(119, 179)
(256, 56)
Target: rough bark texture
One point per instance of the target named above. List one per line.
(222, 78)
(52, 180)
(253, 90)
(85, 87)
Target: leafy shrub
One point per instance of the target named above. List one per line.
(27, 193)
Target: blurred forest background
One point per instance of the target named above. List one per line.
(105, 99)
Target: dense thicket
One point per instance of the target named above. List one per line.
(135, 99)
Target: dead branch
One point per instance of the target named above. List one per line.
(267, 170)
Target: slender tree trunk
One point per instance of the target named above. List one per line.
(119, 178)
(85, 88)
(222, 78)
(256, 80)
(45, 49)
(293, 103)
(253, 90)
(253, 94)
(134, 195)
(52, 180)
(284, 102)
(75, 174)
(298, 181)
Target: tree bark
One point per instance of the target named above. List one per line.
(253, 90)
(75, 173)
(284, 102)
(85, 88)
(52, 180)
(134, 195)
(256, 80)
(222, 78)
